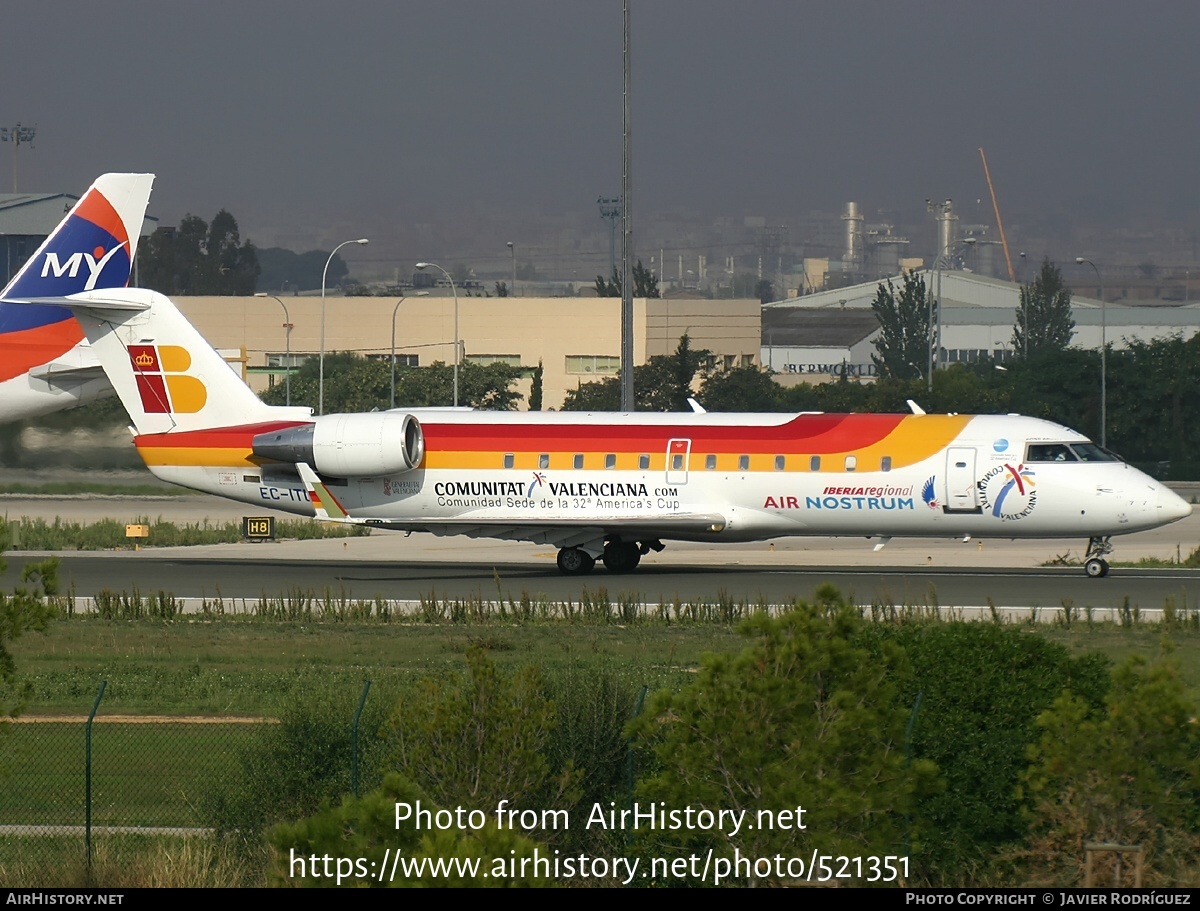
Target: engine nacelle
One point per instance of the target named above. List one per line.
(349, 445)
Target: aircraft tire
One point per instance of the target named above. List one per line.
(575, 562)
(621, 556)
(1096, 568)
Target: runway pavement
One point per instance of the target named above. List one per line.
(394, 566)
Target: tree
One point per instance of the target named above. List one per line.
(801, 718)
(601, 395)
(384, 823)
(982, 687)
(905, 328)
(285, 270)
(748, 388)
(1128, 773)
(1044, 321)
(24, 610)
(535, 388)
(199, 258)
(764, 290)
(609, 289)
(481, 740)
(645, 283)
(354, 383)
(664, 383)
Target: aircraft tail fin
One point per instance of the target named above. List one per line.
(93, 247)
(169, 378)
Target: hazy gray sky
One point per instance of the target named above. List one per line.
(332, 114)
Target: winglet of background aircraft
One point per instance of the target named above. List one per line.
(45, 365)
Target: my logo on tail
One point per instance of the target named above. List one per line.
(96, 261)
(162, 381)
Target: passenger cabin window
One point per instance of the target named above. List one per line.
(851, 463)
(1050, 452)
(508, 460)
(885, 463)
(710, 462)
(743, 463)
(677, 461)
(780, 463)
(643, 461)
(610, 461)
(578, 463)
(814, 463)
(544, 460)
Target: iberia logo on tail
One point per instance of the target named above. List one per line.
(162, 381)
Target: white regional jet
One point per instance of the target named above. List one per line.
(609, 486)
(45, 365)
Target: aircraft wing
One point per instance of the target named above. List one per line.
(565, 532)
(585, 533)
(559, 532)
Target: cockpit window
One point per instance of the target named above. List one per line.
(1090, 452)
(1050, 452)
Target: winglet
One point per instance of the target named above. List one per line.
(324, 503)
(914, 407)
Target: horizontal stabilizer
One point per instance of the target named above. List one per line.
(60, 373)
(114, 299)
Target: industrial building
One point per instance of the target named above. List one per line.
(832, 333)
(576, 340)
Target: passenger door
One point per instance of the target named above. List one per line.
(961, 493)
(678, 453)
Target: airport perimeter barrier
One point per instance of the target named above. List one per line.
(72, 785)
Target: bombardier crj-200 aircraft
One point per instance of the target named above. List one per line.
(45, 365)
(609, 486)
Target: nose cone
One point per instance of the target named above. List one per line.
(1171, 507)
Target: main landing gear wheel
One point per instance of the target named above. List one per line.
(575, 562)
(621, 556)
(1094, 563)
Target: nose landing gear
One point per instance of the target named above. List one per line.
(1094, 563)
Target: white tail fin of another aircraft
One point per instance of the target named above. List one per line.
(168, 377)
(44, 365)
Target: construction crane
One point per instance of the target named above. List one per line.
(1012, 276)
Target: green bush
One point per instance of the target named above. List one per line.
(362, 838)
(294, 765)
(477, 740)
(981, 688)
(804, 717)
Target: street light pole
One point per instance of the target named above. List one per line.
(454, 291)
(287, 325)
(1103, 351)
(321, 365)
(394, 309)
(512, 251)
(935, 341)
